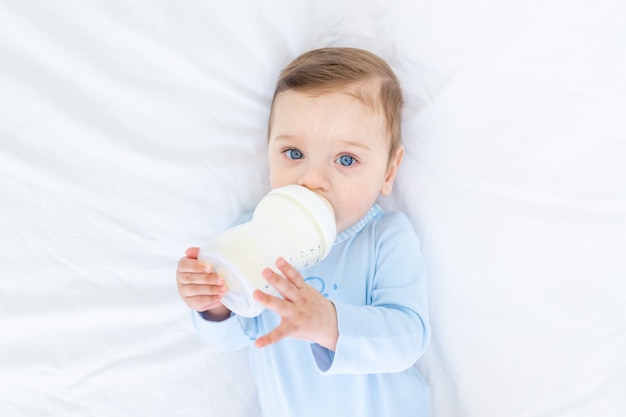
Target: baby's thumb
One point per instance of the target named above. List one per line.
(192, 252)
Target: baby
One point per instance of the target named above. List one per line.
(343, 336)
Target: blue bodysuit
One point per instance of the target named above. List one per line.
(375, 277)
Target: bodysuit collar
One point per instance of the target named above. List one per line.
(359, 225)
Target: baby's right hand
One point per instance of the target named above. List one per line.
(200, 288)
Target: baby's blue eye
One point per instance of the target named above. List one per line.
(346, 160)
(294, 154)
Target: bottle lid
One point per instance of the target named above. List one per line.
(318, 207)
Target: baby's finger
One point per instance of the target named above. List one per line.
(272, 337)
(280, 284)
(271, 302)
(186, 278)
(290, 273)
(192, 265)
(192, 252)
(203, 302)
(194, 290)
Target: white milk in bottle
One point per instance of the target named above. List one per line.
(291, 221)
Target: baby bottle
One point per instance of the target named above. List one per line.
(291, 221)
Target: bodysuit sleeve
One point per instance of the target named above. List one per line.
(392, 331)
(228, 335)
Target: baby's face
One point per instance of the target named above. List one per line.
(333, 144)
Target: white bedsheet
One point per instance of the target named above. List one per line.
(130, 131)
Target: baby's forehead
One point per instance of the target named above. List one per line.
(366, 91)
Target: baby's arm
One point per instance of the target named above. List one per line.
(392, 331)
(200, 288)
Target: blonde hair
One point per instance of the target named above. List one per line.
(331, 69)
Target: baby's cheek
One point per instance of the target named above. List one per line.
(348, 214)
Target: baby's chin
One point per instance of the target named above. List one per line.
(343, 224)
(345, 221)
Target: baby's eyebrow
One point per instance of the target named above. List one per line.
(283, 137)
(355, 144)
(340, 141)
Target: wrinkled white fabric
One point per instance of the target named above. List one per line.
(130, 131)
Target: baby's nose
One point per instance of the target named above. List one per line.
(314, 178)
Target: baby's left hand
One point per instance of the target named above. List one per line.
(305, 313)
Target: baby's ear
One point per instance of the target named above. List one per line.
(392, 170)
